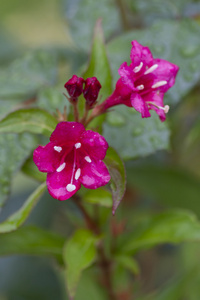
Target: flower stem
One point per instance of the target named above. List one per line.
(76, 113)
(104, 262)
(85, 114)
(125, 23)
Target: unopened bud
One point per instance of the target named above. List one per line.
(74, 86)
(91, 90)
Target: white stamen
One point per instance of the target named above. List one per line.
(165, 108)
(151, 69)
(140, 87)
(78, 173)
(57, 148)
(158, 84)
(61, 167)
(138, 68)
(70, 187)
(87, 158)
(77, 145)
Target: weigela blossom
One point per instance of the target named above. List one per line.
(91, 90)
(71, 158)
(143, 83)
(74, 86)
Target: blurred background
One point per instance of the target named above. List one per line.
(42, 43)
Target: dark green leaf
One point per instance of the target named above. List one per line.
(133, 136)
(52, 98)
(29, 168)
(128, 262)
(118, 176)
(169, 185)
(14, 150)
(168, 227)
(33, 120)
(82, 16)
(27, 75)
(20, 216)
(149, 11)
(163, 42)
(100, 196)
(33, 241)
(79, 254)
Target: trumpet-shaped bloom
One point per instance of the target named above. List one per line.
(143, 83)
(71, 158)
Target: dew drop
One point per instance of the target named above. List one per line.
(137, 131)
(115, 119)
(190, 50)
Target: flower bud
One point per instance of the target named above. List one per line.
(74, 86)
(91, 90)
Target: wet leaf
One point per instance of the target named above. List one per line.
(32, 120)
(118, 177)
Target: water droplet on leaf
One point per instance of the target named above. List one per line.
(115, 119)
(137, 131)
(190, 50)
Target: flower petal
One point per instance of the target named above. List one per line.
(68, 132)
(94, 144)
(94, 174)
(46, 158)
(165, 71)
(127, 75)
(157, 99)
(60, 185)
(139, 104)
(140, 54)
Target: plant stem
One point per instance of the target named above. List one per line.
(76, 113)
(85, 114)
(125, 23)
(104, 262)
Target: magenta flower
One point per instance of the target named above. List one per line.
(143, 83)
(71, 158)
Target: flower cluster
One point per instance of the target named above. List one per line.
(74, 155)
(71, 158)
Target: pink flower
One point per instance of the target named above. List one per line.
(143, 83)
(71, 158)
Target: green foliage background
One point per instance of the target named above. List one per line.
(42, 44)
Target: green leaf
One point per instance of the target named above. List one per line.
(168, 227)
(184, 51)
(82, 15)
(79, 254)
(133, 136)
(33, 241)
(100, 196)
(14, 150)
(128, 262)
(20, 216)
(33, 120)
(27, 75)
(171, 186)
(99, 65)
(29, 168)
(52, 98)
(149, 11)
(118, 176)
